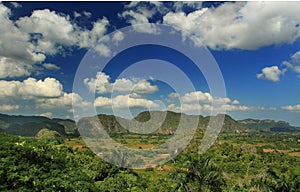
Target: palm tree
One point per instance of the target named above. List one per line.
(199, 174)
(275, 182)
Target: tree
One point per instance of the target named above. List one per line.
(273, 181)
(199, 174)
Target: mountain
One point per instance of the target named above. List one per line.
(232, 126)
(22, 119)
(31, 125)
(155, 122)
(268, 125)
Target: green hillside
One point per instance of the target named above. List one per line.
(268, 125)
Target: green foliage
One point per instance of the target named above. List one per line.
(32, 165)
(124, 180)
(199, 173)
(273, 180)
(238, 163)
(49, 135)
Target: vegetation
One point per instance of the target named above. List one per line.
(37, 164)
(238, 161)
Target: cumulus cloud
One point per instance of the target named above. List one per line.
(124, 101)
(235, 25)
(14, 68)
(291, 107)
(181, 5)
(17, 54)
(137, 13)
(51, 66)
(8, 107)
(198, 101)
(30, 88)
(101, 84)
(89, 38)
(272, 73)
(55, 28)
(197, 96)
(63, 101)
(45, 94)
(140, 22)
(28, 40)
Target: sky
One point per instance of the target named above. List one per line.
(45, 49)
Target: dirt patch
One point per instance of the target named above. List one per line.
(295, 154)
(283, 151)
(164, 156)
(268, 150)
(263, 144)
(167, 167)
(142, 146)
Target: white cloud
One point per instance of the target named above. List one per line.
(8, 107)
(30, 88)
(230, 107)
(16, 5)
(46, 114)
(101, 84)
(98, 84)
(63, 101)
(291, 107)
(235, 25)
(103, 49)
(47, 93)
(140, 22)
(135, 95)
(294, 62)
(180, 5)
(222, 101)
(51, 66)
(76, 14)
(190, 108)
(118, 36)
(195, 97)
(138, 13)
(173, 95)
(195, 108)
(13, 68)
(272, 73)
(55, 28)
(17, 54)
(198, 101)
(28, 40)
(144, 87)
(87, 14)
(296, 57)
(124, 101)
(173, 107)
(90, 38)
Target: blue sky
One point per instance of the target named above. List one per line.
(255, 44)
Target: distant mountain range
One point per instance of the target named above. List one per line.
(268, 125)
(31, 125)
